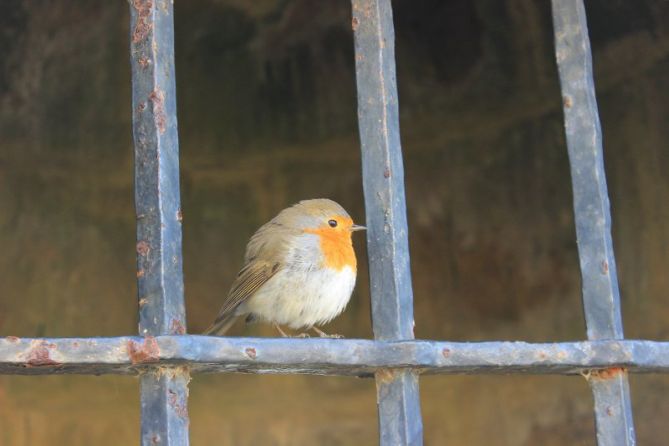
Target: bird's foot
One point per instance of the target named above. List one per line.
(302, 335)
(283, 333)
(323, 334)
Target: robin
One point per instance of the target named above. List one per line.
(299, 270)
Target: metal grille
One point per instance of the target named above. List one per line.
(165, 357)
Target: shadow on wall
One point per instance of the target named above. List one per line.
(267, 117)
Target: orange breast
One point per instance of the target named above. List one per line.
(337, 248)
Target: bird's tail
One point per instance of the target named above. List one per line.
(221, 325)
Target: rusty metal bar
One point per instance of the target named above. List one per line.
(595, 360)
(398, 398)
(164, 393)
(601, 298)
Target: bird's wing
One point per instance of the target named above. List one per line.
(264, 257)
(254, 275)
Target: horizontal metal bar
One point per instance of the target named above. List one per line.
(351, 357)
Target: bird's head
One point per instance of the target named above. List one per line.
(321, 215)
(330, 222)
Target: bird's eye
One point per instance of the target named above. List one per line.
(332, 223)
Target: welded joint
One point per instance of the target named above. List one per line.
(385, 376)
(606, 374)
(171, 372)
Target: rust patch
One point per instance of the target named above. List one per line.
(567, 101)
(143, 248)
(144, 61)
(605, 267)
(384, 376)
(386, 172)
(143, 301)
(140, 273)
(179, 407)
(164, 5)
(177, 327)
(13, 339)
(354, 23)
(147, 351)
(368, 10)
(157, 97)
(180, 215)
(250, 352)
(40, 355)
(142, 27)
(446, 352)
(607, 373)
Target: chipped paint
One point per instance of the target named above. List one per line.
(141, 353)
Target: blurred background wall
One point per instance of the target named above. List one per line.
(267, 114)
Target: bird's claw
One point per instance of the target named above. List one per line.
(323, 334)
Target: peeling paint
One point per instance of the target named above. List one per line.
(157, 98)
(177, 404)
(250, 352)
(143, 25)
(147, 351)
(40, 355)
(177, 327)
(143, 248)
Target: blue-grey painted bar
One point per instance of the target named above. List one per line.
(164, 416)
(398, 398)
(612, 395)
(164, 399)
(595, 360)
(601, 299)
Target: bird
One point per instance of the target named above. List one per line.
(299, 270)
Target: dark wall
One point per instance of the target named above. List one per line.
(267, 114)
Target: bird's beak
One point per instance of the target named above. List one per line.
(358, 228)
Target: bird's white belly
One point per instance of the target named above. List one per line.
(302, 298)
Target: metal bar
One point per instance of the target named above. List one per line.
(607, 388)
(164, 392)
(398, 398)
(601, 298)
(164, 399)
(595, 360)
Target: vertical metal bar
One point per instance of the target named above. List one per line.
(164, 392)
(601, 299)
(400, 420)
